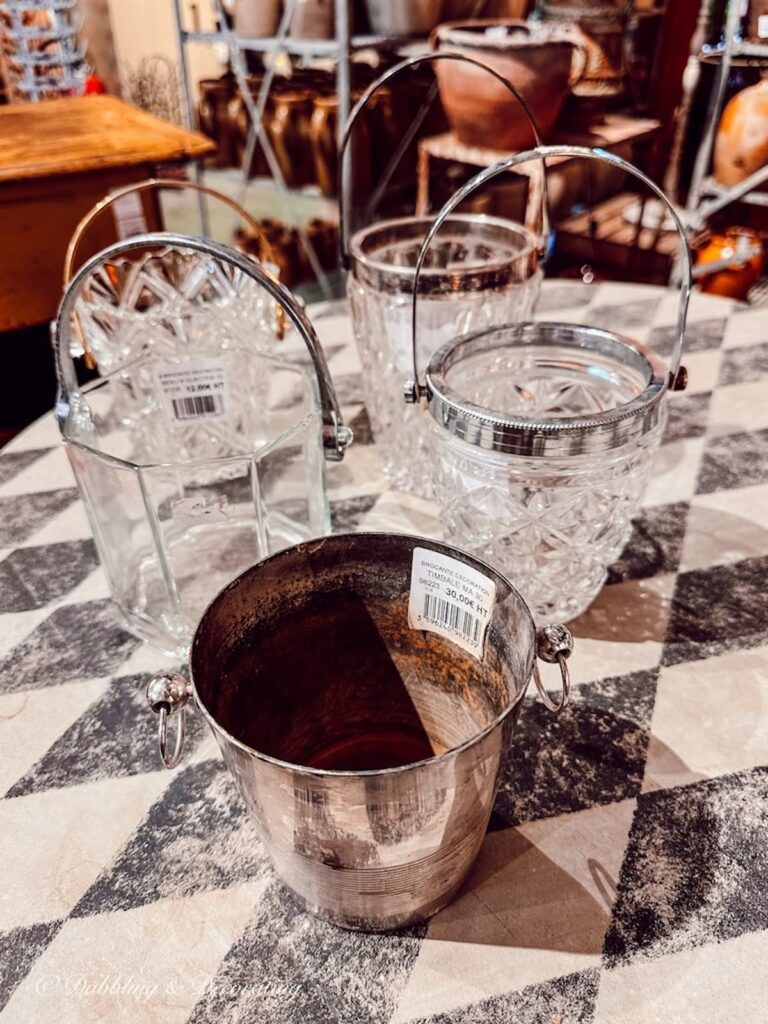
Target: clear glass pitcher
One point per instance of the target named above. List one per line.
(543, 434)
(481, 271)
(199, 446)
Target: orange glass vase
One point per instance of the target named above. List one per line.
(741, 146)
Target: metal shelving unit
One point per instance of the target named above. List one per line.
(340, 48)
(705, 195)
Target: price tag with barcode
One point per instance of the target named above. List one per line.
(194, 390)
(451, 599)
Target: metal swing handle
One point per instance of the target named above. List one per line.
(142, 186)
(405, 65)
(414, 389)
(336, 436)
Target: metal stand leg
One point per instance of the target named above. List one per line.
(256, 114)
(190, 119)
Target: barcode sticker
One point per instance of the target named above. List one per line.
(451, 599)
(193, 390)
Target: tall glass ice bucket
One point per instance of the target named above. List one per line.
(544, 434)
(199, 448)
(481, 271)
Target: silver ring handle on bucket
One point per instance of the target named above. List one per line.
(554, 644)
(167, 695)
(677, 379)
(336, 436)
(394, 72)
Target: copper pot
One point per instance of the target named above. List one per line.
(322, 134)
(538, 60)
(288, 129)
(741, 146)
(214, 120)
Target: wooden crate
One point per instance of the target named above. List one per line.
(602, 238)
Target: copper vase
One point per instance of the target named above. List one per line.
(289, 133)
(741, 146)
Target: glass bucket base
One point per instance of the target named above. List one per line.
(204, 560)
(552, 526)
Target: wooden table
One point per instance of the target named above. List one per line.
(56, 160)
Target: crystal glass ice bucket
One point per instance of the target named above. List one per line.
(365, 728)
(544, 434)
(481, 271)
(200, 446)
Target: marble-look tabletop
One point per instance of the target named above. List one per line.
(624, 877)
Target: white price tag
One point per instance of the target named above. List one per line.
(762, 26)
(193, 390)
(451, 599)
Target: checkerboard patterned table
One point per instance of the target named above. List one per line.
(624, 879)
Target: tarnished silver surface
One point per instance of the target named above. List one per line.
(169, 690)
(590, 351)
(384, 255)
(167, 695)
(554, 642)
(379, 848)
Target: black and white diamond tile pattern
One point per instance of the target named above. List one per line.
(733, 460)
(623, 838)
(33, 577)
(694, 869)
(570, 998)
(19, 949)
(686, 416)
(197, 837)
(109, 740)
(12, 463)
(21, 515)
(700, 336)
(590, 754)
(345, 977)
(77, 641)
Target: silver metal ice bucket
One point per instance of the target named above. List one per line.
(363, 689)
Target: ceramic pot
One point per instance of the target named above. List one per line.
(313, 19)
(403, 17)
(741, 146)
(538, 60)
(603, 27)
(733, 281)
(288, 129)
(757, 24)
(257, 19)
